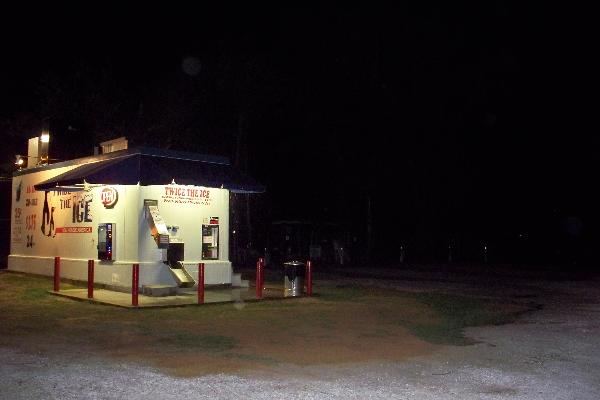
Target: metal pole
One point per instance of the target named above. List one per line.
(90, 279)
(56, 274)
(309, 278)
(201, 283)
(135, 280)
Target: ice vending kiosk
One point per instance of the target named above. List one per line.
(106, 233)
(210, 239)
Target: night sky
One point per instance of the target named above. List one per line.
(466, 125)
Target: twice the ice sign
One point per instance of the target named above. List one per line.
(186, 192)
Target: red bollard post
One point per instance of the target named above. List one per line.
(262, 274)
(56, 274)
(309, 278)
(135, 280)
(201, 283)
(259, 280)
(90, 279)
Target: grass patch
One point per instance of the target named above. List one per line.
(326, 327)
(34, 294)
(454, 314)
(341, 293)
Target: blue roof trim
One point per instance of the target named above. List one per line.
(183, 155)
(148, 151)
(155, 169)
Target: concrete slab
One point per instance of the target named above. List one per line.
(237, 281)
(159, 290)
(183, 297)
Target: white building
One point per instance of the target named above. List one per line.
(166, 210)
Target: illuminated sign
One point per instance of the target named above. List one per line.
(109, 197)
(186, 195)
(74, 229)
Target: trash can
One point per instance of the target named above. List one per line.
(293, 281)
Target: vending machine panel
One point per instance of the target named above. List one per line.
(210, 241)
(106, 240)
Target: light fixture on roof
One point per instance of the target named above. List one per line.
(43, 147)
(19, 161)
(89, 186)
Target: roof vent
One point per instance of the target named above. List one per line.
(37, 150)
(114, 145)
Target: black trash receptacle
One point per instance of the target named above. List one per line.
(293, 281)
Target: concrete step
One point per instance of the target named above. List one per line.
(159, 290)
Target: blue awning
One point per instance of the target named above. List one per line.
(150, 169)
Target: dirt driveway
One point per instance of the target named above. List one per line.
(552, 353)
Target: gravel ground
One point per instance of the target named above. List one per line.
(552, 353)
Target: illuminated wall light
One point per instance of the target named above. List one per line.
(45, 138)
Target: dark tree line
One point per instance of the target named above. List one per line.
(432, 115)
